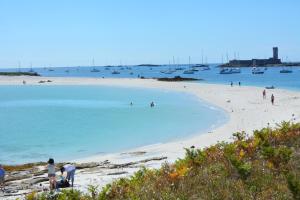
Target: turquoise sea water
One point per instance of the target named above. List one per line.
(68, 122)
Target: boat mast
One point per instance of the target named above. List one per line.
(202, 56)
(19, 66)
(227, 57)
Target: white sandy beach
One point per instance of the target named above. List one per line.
(245, 106)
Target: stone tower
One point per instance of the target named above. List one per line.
(275, 53)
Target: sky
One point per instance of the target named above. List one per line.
(112, 32)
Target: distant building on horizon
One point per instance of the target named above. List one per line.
(258, 62)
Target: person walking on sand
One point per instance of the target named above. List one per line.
(70, 169)
(272, 99)
(51, 174)
(2, 178)
(264, 94)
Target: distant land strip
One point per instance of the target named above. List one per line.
(19, 74)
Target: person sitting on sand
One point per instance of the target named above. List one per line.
(2, 178)
(51, 174)
(70, 169)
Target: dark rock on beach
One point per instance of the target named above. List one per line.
(177, 79)
(19, 74)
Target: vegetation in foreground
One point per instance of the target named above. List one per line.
(265, 166)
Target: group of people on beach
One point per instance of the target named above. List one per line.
(264, 93)
(63, 180)
(265, 96)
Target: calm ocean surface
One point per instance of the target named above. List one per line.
(270, 77)
(68, 122)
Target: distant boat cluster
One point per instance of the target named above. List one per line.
(255, 70)
(230, 70)
(191, 70)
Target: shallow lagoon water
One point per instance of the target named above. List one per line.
(68, 122)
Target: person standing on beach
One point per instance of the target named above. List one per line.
(239, 83)
(231, 83)
(70, 169)
(272, 99)
(264, 94)
(51, 174)
(2, 178)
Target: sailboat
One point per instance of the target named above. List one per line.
(202, 66)
(115, 72)
(94, 69)
(256, 70)
(230, 70)
(190, 70)
(31, 70)
(285, 71)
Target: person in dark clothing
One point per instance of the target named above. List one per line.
(62, 181)
(264, 94)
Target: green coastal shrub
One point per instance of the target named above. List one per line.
(294, 185)
(264, 166)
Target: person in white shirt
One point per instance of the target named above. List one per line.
(51, 174)
(70, 169)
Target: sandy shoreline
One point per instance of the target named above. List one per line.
(244, 105)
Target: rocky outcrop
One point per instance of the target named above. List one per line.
(25, 179)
